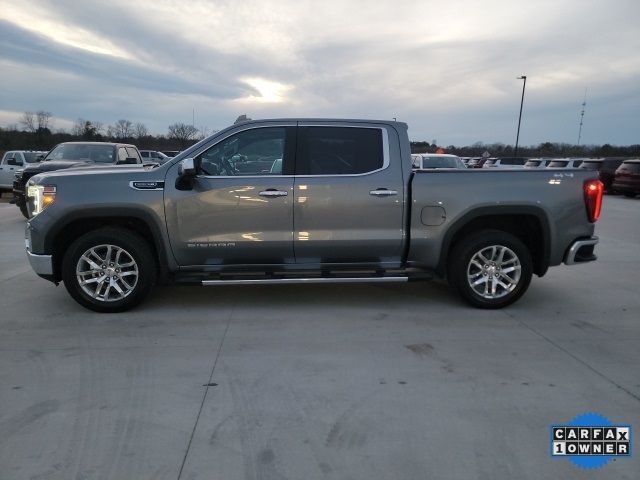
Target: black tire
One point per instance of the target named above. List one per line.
(629, 195)
(23, 209)
(460, 265)
(134, 246)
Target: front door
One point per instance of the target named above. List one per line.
(240, 209)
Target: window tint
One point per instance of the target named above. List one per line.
(533, 163)
(591, 165)
(7, 156)
(513, 161)
(145, 154)
(31, 157)
(133, 153)
(339, 150)
(258, 151)
(630, 167)
(558, 164)
(441, 162)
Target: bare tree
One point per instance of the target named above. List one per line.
(140, 130)
(43, 120)
(121, 130)
(183, 133)
(78, 127)
(28, 121)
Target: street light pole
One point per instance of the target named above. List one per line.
(524, 84)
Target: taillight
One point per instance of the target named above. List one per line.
(593, 190)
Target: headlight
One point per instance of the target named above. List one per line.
(42, 196)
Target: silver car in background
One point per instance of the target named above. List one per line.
(422, 161)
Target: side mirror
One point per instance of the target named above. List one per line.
(186, 173)
(187, 168)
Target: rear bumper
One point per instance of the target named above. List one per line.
(581, 251)
(41, 264)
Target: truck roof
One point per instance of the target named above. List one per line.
(320, 120)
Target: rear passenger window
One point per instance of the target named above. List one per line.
(338, 150)
(122, 154)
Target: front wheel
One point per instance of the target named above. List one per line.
(490, 269)
(108, 270)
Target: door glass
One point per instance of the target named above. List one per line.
(258, 151)
(122, 155)
(133, 153)
(339, 150)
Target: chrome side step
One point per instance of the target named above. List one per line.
(281, 281)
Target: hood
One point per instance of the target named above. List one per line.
(52, 165)
(92, 171)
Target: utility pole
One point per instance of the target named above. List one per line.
(524, 84)
(584, 104)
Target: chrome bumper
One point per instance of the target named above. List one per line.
(581, 251)
(41, 264)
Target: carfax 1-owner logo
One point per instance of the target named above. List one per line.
(590, 441)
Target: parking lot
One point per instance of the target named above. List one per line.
(394, 381)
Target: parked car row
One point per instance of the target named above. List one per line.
(616, 174)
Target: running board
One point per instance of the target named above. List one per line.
(281, 281)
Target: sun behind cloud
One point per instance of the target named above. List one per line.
(268, 91)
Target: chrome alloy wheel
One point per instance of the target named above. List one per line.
(494, 271)
(107, 273)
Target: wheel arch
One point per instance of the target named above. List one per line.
(58, 239)
(529, 223)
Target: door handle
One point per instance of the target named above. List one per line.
(383, 192)
(273, 193)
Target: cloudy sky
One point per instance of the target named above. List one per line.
(448, 68)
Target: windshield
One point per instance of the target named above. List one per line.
(32, 157)
(442, 162)
(76, 151)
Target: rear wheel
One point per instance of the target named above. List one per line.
(490, 269)
(108, 270)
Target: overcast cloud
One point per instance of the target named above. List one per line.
(447, 68)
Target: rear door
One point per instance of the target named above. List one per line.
(348, 195)
(240, 208)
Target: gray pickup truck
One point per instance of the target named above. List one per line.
(306, 201)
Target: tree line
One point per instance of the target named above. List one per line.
(34, 131)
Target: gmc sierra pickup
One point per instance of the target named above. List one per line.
(306, 201)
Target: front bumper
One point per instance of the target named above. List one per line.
(581, 251)
(41, 264)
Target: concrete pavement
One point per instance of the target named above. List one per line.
(317, 381)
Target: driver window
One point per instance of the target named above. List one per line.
(258, 151)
